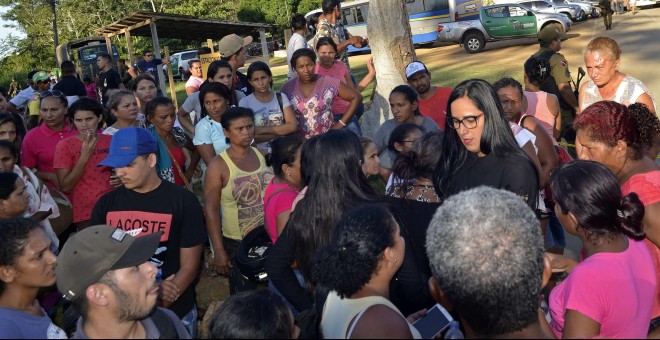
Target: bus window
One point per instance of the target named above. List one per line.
(362, 13)
(414, 6)
(347, 16)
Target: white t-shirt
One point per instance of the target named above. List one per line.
(296, 42)
(262, 111)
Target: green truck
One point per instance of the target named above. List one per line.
(499, 22)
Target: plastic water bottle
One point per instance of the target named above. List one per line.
(454, 331)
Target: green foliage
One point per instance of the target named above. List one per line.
(81, 18)
(305, 6)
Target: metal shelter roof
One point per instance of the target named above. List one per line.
(175, 26)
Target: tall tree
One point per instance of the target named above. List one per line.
(391, 44)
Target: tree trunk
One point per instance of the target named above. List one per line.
(391, 45)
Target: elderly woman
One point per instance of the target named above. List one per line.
(603, 58)
(617, 137)
(26, 266)
(610, 293)
(365, 253)
(312, 96)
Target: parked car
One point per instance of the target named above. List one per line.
(500, 22)
(179, 63)
(587, 7)
(574, 12)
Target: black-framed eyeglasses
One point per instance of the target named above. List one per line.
(469, 122)
(54, 93)
(409, 141)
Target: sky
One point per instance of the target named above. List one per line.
(6, 31)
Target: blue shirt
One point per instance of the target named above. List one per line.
(16, 324)
(148, 67)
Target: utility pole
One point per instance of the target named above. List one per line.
(55, 39)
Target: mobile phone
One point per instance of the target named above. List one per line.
(436, 320)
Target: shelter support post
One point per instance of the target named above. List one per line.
(209, 43)
(170, 77)
(129, 48)
(264, 45)
(154, 39)
(108, 45)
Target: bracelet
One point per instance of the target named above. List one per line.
(342, 123)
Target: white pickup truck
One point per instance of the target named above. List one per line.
(500, 22)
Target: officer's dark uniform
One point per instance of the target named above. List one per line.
(559, 70)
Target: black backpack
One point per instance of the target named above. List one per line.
(550, 85)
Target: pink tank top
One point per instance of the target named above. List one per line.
(537, 107)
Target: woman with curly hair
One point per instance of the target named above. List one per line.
(617, 137)
(362, 258)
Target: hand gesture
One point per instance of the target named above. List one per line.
(371, 69)
(168, 292)
(222, 263)
(89, 139)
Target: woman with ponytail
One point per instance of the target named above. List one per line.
(618, 137)
(610, 293)
(363, 256)
(542, 105)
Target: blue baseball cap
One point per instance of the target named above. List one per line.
(127, 144)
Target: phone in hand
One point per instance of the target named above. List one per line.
(436, 320)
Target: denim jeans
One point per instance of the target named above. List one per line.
(301, 280)
(190, 322)
(555, 233)
(353, 125)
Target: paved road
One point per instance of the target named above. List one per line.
(638, 37)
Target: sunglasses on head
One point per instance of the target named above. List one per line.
(54, 93)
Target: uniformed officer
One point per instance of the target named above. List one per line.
(550, 42)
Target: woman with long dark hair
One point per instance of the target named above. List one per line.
(479, 147)
(331, 169)
(609, 294)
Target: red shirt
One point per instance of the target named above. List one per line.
(38, 149)
(94, 182)
(436, 106)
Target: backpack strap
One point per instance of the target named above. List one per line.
(164, 324)
(278, 95)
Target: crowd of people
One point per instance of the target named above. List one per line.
(464, 198)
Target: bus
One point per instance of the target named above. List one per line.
(424, 15)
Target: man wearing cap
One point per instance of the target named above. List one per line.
(106, 274)
(232, 50)
(550, 42)
(145, 205)
(432, 99)
(41, 81)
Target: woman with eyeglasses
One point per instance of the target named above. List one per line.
(479, 147)
(38, 149)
